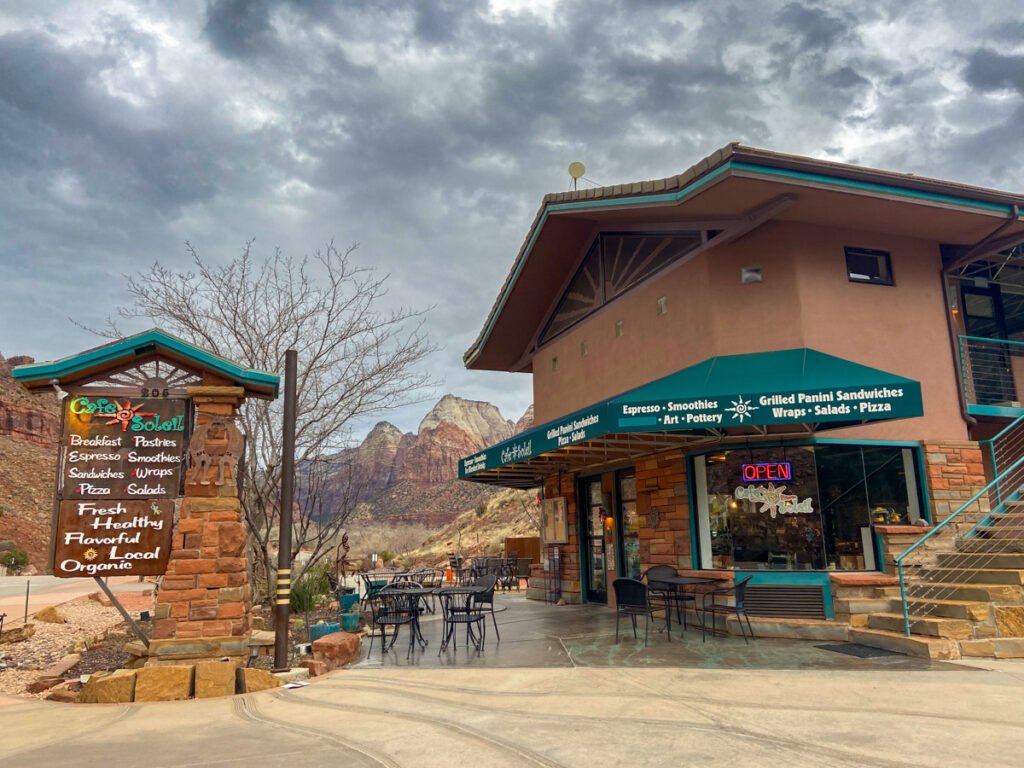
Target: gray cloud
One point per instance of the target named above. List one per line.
(430, 131)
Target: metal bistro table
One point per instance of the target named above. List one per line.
(413, 595)
(676, 586)
(456, 611)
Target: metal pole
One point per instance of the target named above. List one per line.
(28, 583)
(284, 540)
(124, 614)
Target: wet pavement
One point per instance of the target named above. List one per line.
(535, 634)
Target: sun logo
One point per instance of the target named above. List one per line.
(741, 409)
(125, 413)
(90, 554)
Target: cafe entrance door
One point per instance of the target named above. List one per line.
(593, 509)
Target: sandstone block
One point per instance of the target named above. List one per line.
(1010, 620)
(231, 539)
(164, 628)
(49, 615)
(231, 595)
(43, 684)
(230, 564)
(64, 695)
(252, 680)
(61, 667)
(117, 687)
(163, 683)
(337, 649)
(315, 667)
(214, 678)
(230, 611)
(213, 580)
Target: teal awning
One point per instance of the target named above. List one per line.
(753, 394)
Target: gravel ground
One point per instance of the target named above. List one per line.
(21, 663)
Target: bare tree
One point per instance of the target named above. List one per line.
(355, 360)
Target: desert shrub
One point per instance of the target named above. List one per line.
(311, 588)
(385, 556)
(14, 558)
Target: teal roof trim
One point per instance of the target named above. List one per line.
(142, 343)
(765, 170)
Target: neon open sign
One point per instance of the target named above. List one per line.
(765, 471)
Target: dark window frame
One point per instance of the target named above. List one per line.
(855, 278)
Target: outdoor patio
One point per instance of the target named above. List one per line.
(535, 634)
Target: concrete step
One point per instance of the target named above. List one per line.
(802, 629)
(978, 544)
(915, 645)
(952, 609)
(999, 530)
(861, 604)
(996, 647)
(982, 559)
(968, 575)
(972, 592)
(931, 626)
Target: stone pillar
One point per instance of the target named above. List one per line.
(202, 608)
(663, 505)
(955, 473)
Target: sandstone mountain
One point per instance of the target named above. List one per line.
(29, 430)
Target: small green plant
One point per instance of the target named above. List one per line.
(311, 588)
(299, 625)
(355, 608)
(407, 564)
(385, 556)
(481, 509)
(14, 558)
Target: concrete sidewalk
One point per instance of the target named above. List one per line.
(551, 717)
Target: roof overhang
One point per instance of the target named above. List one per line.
(38, 377)
(793, 392)
(721, 190)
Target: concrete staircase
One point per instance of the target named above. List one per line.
(964, 599)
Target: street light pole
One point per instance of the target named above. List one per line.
(284, 539)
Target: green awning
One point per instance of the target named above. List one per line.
(721, 396)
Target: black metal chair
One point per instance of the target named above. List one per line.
(710, 605)
(487, 597)
(461, 610)
(523, 571)
(666, 595)
(631, 599)
(392, 608)
(373, 583)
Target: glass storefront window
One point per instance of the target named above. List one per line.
(801, 508)
(630, 527)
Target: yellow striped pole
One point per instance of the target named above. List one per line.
(284, 540)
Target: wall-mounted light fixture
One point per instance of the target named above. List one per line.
(61, 394)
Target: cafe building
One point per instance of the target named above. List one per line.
(766, 365)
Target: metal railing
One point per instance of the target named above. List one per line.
(989, 369)
(990, 505)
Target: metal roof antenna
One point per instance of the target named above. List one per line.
(576, 170)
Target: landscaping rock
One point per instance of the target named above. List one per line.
(117, 687)
(61, 667)
(315, 667)
(252, 680)
(293, 675)
(64, 695)
(43, 684)
(163, 683)
(214, 678)
(18, 634)
(337, 649)
(49, 615)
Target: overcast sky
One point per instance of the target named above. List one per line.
(429, 131)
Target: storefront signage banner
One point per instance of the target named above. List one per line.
(549, 437)
(122, 448)
(851, 404)
(113, 538)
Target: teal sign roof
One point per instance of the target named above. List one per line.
(793, 386)
(34, 375)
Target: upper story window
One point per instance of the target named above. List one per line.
(615, 263)
(864, 265)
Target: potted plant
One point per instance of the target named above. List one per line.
(350, 619)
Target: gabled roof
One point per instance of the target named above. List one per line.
(969, 213)
(38, 376)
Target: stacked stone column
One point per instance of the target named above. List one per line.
(202, 607)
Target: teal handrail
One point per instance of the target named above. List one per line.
(902, 556)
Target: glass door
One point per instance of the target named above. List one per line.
(592, 537)
(628, 524)
(989, 360)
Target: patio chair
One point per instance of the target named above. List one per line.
(461, 610)
(393, 609)
(631, 599)
(710, 605)
(487, 598)
(373, 583)
(666, 595)
(523, 571)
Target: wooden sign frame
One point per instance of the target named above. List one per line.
(554, 521)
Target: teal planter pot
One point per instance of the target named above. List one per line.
(347, 601)
(349, 622)
(320, 630)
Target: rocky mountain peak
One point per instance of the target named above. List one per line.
(384, 433)
(475, 417)
(525, 421)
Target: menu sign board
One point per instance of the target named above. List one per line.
(113, 538)
(122, 448)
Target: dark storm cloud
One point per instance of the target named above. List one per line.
(429, 131)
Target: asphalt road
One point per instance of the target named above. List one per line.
(49, 590)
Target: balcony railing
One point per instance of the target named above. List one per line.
(992, 375)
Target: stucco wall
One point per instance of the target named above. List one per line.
(804, 300)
